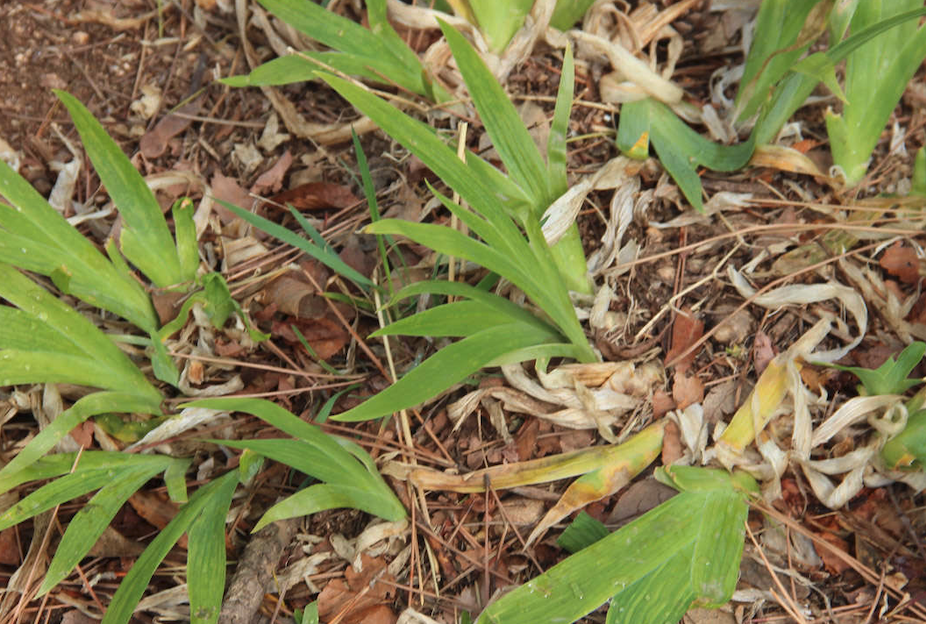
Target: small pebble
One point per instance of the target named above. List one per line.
(80, 38)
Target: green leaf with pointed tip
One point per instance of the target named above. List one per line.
(133, 586)
(35, 237)
(450, 365)
(877, 74)
(185, 231)
(892, 376)
(461, 318)
(323, 254)
(499, 21)
(502, 122)
(206, 554)
(568, 12)
(123, 479)
(680, 149)
(770, 57)
(321, 497)
(559, 129)
(145, 238)
(91, 405)
(685, 550)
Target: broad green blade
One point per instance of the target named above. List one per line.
(775, 48)
(450, 365)
(323, 496)
(642, 556)
(459, 289)
(421, 140)
(185, 231)
(55, 493)
(499, 21)
(457, 319)
(145, 238)
(568, 12)
(907, 450)
(502, 122)
(39, 239)
(206, 555)
(378, 53)
(91, 405)
(795, 88)
(271, 413)
(279, 71)
(132, 588)
(556, 143)
(305, 458)
(876, 76)
(90, 522)
(680, 149)
(582, 533)
(325, 254)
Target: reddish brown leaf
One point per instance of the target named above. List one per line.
(833, 563)
(295, 297)
(686, 390)
(762, 352)
(157, 510)
(83, 434)
(9, 549)
(167, 304)
(317, 196)
(154, 142)
(662, 403)
(901, 262)
(671, 443)
(324, 335)
(228, 190)
(359, 597)
(686, 330)
(272, 179)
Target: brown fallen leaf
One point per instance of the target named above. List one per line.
(228, 190)
(272, 178)
(9, 548)
(901, 262)
(762, 352)
(154, 142)
(671, 443)
(353, 601)
(686, 330)
(324, 335)
(833, 563)
(662, 403)
(686, 390)
(157, 510)
(317, 196)
(295, 297)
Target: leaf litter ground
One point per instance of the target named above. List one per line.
(133, 70)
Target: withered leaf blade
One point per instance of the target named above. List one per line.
(317, 196)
